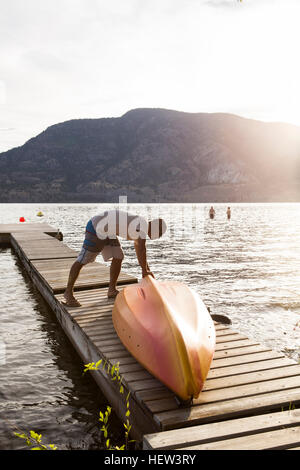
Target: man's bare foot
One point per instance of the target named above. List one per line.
(71, 301)
(112, 293)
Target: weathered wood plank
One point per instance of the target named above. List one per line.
(272, 440)
(103, 336)
(231, 345)
(211, 433)
(40, 249)
(93, 275)
(230, 393)
(241, 369)
(230, 337)
(222, 410)
(29, 236)
(243, 351)
(252, 357)
(7, 229)
(104, 329)
(26, 227)
(147, 396)
(252, 377)
(46, 242)
(149, 384)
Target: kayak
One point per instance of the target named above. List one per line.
(167, 328)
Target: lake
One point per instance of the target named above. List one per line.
(247, 268)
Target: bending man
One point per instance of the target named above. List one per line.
(101, 236)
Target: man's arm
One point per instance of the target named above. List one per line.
(141, 253)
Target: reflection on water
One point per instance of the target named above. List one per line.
(247, 268)
(41, 385)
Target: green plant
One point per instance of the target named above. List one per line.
(113, 372)
(34, 441)
(291, 407)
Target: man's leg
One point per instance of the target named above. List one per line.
(73, 275)
(115, 269)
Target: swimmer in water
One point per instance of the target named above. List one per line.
(212, 212)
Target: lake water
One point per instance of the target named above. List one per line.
(247, 268)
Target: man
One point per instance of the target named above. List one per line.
(212, 212)
(228, 213)
(101, 236)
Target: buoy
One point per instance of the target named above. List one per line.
(22, 219)
(40, 214)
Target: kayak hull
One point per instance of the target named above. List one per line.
(167, 328)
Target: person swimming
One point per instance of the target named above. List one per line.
(212, 212)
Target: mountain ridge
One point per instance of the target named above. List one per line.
(155, 155)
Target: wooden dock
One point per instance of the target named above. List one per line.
(7, 229)
(246, 379)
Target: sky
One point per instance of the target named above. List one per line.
(70, 59)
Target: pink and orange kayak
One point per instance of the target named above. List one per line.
(167, 328)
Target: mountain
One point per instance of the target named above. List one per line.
(156, 155)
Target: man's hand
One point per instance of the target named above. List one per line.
(140, 248)
(147, 273)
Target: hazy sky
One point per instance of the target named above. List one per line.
(66, 59)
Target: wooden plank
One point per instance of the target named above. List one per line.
(135, 376)
(93, 275)
(231, 345)
(50, 249)
(244, 351)
(230, 337)
(26, 227)
(41, 243)
(96, 326)
(115, 355)
(135, 366)
(100, 336)
(221, 410)
(7, 229)
(246, 359)
(51, 253)
(252, 377)
(233, 370)
(94, 330)
(238, 379)
(89, 315)
(230, 393)
(114, 347)
(273, 440)
(26, 236)
(145, 395)
(211, 433)
(105, 342)
(102, 316)
(150, 384)
(122, 360)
